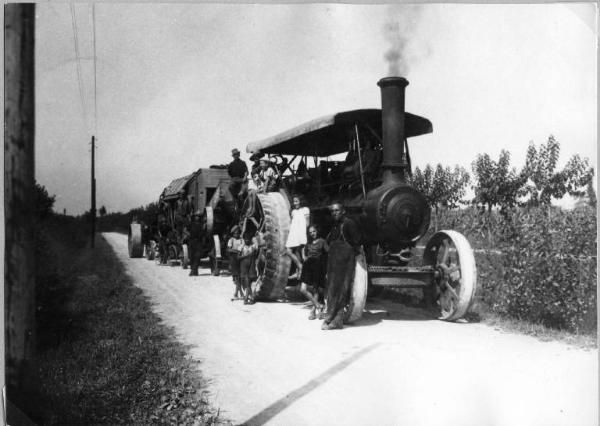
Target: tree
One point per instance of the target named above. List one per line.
(544, 182)
(43, 202)
(591, 193)
(443, 188)
(496, 183)
(102, 211)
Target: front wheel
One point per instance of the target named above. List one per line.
(455, 280)
(358, 295)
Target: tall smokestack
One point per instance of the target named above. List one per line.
(392, 120)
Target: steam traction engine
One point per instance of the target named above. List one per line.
(361, 159)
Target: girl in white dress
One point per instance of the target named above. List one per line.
(297, 236)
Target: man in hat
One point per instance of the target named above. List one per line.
(195, 240)
(238, 172)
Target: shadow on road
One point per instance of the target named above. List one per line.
(281, 404)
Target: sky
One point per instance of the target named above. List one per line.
(179, 85)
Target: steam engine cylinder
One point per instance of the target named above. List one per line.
(395, 213)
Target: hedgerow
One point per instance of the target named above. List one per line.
(535, 264)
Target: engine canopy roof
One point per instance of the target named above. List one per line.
(328, 135)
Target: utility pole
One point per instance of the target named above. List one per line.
(93, 210)
(19, 193)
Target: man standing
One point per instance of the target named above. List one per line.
(238, 172)
(195, 239)
(345, 240)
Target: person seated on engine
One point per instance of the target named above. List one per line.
(371, 159)
(267, 177)
(255, 158)
(283, 165)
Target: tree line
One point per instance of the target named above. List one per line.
(497, 184)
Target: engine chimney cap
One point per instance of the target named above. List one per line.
(392, 81)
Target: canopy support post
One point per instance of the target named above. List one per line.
(362, 174)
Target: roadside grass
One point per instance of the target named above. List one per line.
(103, 356)
(480, 313)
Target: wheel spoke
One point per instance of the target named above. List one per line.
(446, 252)
(452, 292)
(454, 273)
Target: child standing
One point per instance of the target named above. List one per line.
(247, 259)
(297, 236)
(312, 272)
(234, 246)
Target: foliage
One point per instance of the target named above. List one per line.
(443, 188)
(544, 182)
(43, 202)
(591, 193)
(119, 222)
(102, 211)
(535, 264)
(496, 183)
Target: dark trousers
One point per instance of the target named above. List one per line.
(235, 186)
(340, 273)
(194, 252)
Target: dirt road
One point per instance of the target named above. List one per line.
(268, 364)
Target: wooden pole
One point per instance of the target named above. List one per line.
(19, 193)
(93, 209)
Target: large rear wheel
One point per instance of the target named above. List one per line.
(275, 266)
(134, 240)
(455, 279)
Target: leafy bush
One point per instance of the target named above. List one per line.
(536, 264)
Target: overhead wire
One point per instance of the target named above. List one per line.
(78, 62)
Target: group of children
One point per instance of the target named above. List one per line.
(308, 254)
(242, 264)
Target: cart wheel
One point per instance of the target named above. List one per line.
(134, 240)
(455, 273)
(185, 257)
(358, 297)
